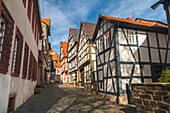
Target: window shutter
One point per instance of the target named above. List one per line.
(7, 40)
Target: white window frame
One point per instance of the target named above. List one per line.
(132, 38)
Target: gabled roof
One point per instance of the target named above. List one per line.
(156, 22)
(88, 28)
(75, 33)
(64, 46)
(141, 22)
(58, 63)
(54, 56)
(138, 24)
(46, 21)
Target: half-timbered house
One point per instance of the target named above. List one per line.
(86, 54)
(129, 51)
(72, 55)
(64, 62)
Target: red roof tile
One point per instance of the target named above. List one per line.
(47, 21)
(146, 23)
(64, 46)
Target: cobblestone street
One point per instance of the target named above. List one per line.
(57, 98)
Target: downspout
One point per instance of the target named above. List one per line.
(117, 60)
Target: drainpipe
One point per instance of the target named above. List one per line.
(117, 61)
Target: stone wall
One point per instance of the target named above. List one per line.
(152, 97)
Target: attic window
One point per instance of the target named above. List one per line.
(132, 38)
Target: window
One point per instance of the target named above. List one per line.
(107, 40)
(6, 32)
(25, 65)
(17, 54)
(24, 2)
(131, 38)
(30, 2)
(30, 66)
(101, 45)
(2, 29)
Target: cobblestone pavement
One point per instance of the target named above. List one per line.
(80, 101)
(41, 103)
(67, 99)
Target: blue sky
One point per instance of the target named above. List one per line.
(65, 14)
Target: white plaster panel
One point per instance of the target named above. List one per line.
(105, 70)
(136, 70)
(121, 38)
(162, 40)
(168, 58)
(155, 55)
(163, 55)
(142, 41)
(152, 39)
(146, 70)
(136, 80)
(100, 74)
(106, 56)
(148, 80)
(110, 85)
(112, 54)
(144, 54)
(126, 69)
(124, 81)
(125, 54)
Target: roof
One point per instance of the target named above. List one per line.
(64, 46)
(151, 22)
(146, 23)
(54, 56)
(75, 33)
(47, 21)
(89, 28)
(58, 63)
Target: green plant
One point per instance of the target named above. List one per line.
(164, 76)
(38, 86)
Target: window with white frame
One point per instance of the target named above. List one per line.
(2, 29)
(15, 55)
(132, 38)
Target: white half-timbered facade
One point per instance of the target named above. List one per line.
(72, 54)
(64, 62)
(129, 51)
(86, 54)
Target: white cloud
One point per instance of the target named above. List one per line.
(65, 14)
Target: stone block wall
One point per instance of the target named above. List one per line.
(151, 97)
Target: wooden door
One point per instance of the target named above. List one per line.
(82, 77)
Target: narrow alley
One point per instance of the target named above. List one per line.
(57, 98)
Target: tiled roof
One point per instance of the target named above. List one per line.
(75, 33)
(64, 45)
(47, 21)
(89, 28)
(58, 63)
(137, 22)
(54, 56)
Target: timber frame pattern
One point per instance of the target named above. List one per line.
(121, 62)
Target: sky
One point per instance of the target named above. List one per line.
(66, 14)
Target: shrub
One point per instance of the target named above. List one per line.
(164, 76)
(38, 86)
